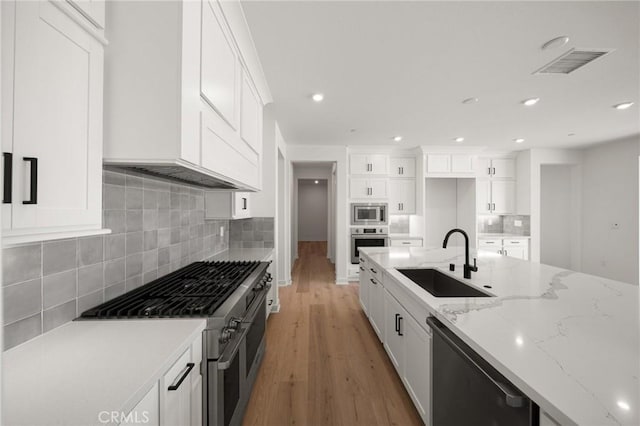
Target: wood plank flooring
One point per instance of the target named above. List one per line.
(324, 363)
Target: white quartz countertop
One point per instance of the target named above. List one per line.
(502, 235)
(568, 340)
(250, 254)
(71, 374)
(405, 237)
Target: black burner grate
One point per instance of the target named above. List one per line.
(196, 290)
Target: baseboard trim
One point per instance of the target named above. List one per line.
(284, 283)
(342, 281)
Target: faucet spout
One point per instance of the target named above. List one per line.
(467, 266)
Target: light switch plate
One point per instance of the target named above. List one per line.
(517, 223)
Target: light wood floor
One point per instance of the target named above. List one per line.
(324, 363)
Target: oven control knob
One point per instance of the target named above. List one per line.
(226, 334)
(234, 323)
(268, 278)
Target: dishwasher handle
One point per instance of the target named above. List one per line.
(512, 397)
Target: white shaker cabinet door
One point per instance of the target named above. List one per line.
(175, 402)
(364, 288)
(147, 411)
(503, 196)
(417, 371)
(402, 197)
(503, 168)
(402, 167)
(378, 188)
(483, 196)
(218, 64)
(250, 116)
(379, 164)
(93, 10)
(57, 118)
(393, 343)
(376, 307)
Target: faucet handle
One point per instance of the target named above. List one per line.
(474, 268)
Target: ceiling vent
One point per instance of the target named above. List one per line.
(572, 60)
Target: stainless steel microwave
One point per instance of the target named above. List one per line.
(369, 214)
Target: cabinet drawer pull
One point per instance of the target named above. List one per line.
(397, 328)
(489, 242)
(33, 188)
(406, 242)
(489, 206)
(8, 177)
(373, 270)
(178, 381)
(400, 326)
(493, 207)
(244, 203)
(362, 269)
(373, 281)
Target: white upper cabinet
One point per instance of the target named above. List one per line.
(218, 65)
(402, 196)
(189, 100)
(450, 165)
(92, 10)
(227, 205)
(504, 168)
(495, 196)
(250, 116)
(368, 164)
(367, 188)
(52, 87)
(402, 167)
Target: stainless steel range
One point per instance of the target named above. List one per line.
(232, 297)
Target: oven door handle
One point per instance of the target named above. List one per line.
(224, 362)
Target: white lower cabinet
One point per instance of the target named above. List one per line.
(409, 348)
(512, 247)
(376, 306)
(364, 288)
(175, 399)
(146, 412)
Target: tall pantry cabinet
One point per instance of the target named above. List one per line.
(52, 104)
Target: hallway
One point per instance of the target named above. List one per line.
(324, 364)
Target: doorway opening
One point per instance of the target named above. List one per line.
(560, 216)
(314, 203)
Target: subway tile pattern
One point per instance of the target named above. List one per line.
(256, 232)
(157, 227)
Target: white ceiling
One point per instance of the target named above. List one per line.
(403, 68)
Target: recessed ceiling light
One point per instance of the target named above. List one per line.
(459, 139)
(530, 101)
(518, 140)
(316, 182)
(470, 101)
(555, 43)
(623, 105)
(317, 97)
(397, 138)
(624, 405)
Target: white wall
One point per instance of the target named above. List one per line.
(556, 215)
(337, 154)
(610, 195)
(312, 210)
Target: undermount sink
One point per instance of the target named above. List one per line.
(441, 285)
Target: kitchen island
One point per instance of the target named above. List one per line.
(568, 340)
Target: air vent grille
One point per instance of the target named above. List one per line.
(572, 60)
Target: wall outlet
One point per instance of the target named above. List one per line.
(222, 231)
(517, 223)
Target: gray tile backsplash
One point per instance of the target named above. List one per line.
(504, 224)
(157, 227)
(256, 232)
(399, 224)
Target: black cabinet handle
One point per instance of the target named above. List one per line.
(8, 177)
(176, 384)
(397, 327)
(400, 326)
(33, 190)
(244, 203)
(373, 281)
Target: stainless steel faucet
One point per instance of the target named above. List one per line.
(467, 267)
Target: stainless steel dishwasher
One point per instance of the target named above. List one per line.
(466, 390)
